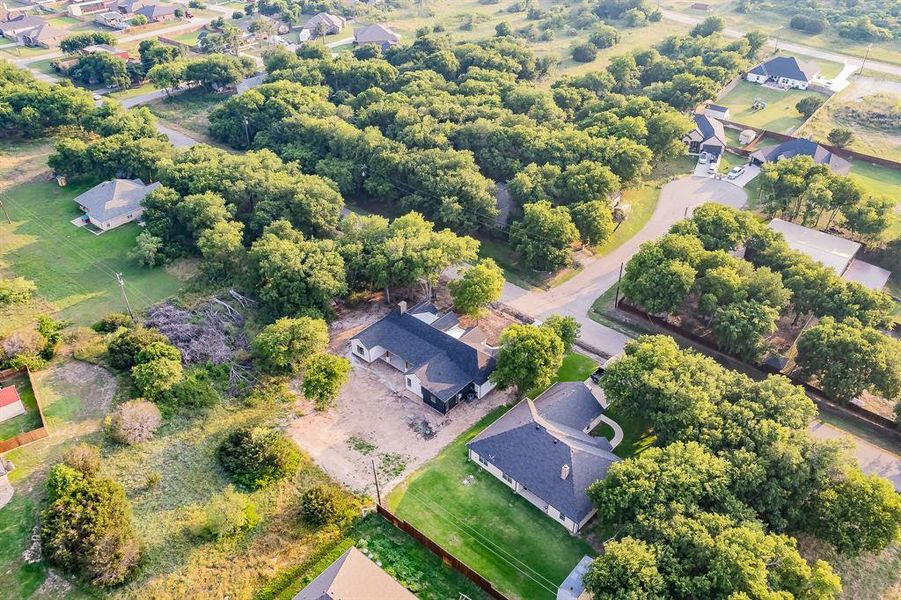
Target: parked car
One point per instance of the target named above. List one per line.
(735, 172)
(596, 376)
(713, 164)
(702, 158)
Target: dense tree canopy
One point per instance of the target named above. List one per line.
(528, 358)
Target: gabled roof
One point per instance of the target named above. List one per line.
(530, 445)
(114, 198)
(569, 403)
(326, 19)
(787, 66)
(797, 146)
(153, 11)
(443, 364)
(353, 576)
(21, 23)
(45, 32)
(8, 395)
(718, 107)
(375, 34)
(710, 129)
(833, 251)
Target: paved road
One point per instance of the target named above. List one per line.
(576, 296)
(874, 65)
(873, 459)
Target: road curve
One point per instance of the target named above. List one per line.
(874, 65)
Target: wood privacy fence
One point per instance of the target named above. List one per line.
(874, 422)
(448, 558)
(29, 436)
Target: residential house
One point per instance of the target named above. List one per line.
(377, 34)
(324, 24)
(77, 9)
(114, 203)
(707, 136)
(29, 30)
(10, 404)
(157, 13)
(716, 111)
(353, 576)
(106, 49)
(129, 7)
(8, 14)
(785, 71)
(442, 362)
(835, 252)
(802, 146)
(543, 451)
(112, 19)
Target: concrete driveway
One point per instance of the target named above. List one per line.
(574, 297)
(873, 459)
(751, 171)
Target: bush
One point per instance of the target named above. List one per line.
(156, 377)
(230, 514)
(841, 137)
(326, 504)
(16, 290)
(808, 24)
(87, 529)
(194, 391)
(125, 345)
(138, 20)
(112, 322)
(284, 346)
(237, 15)
(84, 458)
(256, 457)
(585, 53)
(134, 422)
(809, 105)
(322, 380)
(604, 37)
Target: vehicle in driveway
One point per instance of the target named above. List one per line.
(714, 164)
(596, 376)
(702, 158)
(735, 172)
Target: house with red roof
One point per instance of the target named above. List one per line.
(10, 404)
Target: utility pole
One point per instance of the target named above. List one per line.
(121, 283)
(616, 297)
(246, 132)
(866, 56)
(375, 475)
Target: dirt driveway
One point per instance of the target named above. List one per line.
(375, 419)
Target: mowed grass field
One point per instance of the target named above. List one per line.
(478, 519)
(780, 115)
(880, 181)
(75, 270)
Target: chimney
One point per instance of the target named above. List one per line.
(564, 471)
(402, 306)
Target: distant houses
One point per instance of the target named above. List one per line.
(543, 451)
(29, 30)
(113, 203)
(376, 35)
(801, 146)
(784, 71)
(157, 13)
(324, 24)
(353, 576)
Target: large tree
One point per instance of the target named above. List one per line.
(528, 358)
(479, 286)
(544, 236)
(285, 347)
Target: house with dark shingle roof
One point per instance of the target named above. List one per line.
(802, 146)
(543, 451)
(707, 136)
(324, 24)
(786, 71)
(156, 13)
(114, 203)
(353, 576)
(377, 34)
(442, 362)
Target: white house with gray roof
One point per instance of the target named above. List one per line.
(785, 71)
(114, 203)
(443, 362)
(543, 451)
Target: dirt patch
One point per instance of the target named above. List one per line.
(374, 420)
(184, 269)
(351, 320)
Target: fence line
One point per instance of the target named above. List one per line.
(875, 422)
(446, 557)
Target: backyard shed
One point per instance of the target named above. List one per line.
(10, 404)
(746, 136)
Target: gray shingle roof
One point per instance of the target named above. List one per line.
(526, 444)
(797, 146)
(570, 404)
(353, 576)
(154, 11)
(375, 34)
(443, 363)
(786, 66)
(114, 198)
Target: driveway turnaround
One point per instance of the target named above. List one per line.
(574, 297)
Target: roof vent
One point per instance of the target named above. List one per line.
(564, 471)
(402, 306)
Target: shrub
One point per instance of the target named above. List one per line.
(325, 375)
(585, 53)
(156, 377)
(112, 322)
(230, 514)
(194, 391)
(16, 290)
(284, 346)
(256, 457)
(84, 458)
(134, 422)
(87, 529)
(138, 20)
(604, 37)
(841, 136)
(125, 345)
(809, 105)
(325, 504)
(237, 15)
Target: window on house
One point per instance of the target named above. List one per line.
(409, 382)
(507, 478)
(562, 517)
(482, 460)
(359, 350)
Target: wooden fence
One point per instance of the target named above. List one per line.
(29, 436)
(448, 558)
(876, 423)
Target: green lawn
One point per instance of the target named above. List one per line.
(31, 419)
(637, 437)
(408, 561)
(880, 181)
(188, 111)
(575, 367)
(133, 91)
(74, 269)
(471, 514)
(780, 115)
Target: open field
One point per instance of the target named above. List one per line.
(188, 111)
(780, 115)
(483, 523)
(881, 181)
(26, 422)
(774, 20)
(73, 268)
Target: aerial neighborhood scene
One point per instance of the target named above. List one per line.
(450, 300)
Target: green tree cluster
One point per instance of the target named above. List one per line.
(257, 457)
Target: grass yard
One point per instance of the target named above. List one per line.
(189, 110)
(133, 91)
(408, 561)
(74, 269)
(780, 115)
(866, 577)
(31, 419)
(64, 21)
(637, 437)
(501, 535)
(575, 367)
(880, 181)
